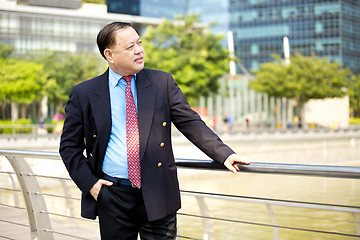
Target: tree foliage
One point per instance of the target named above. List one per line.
(5, 50)
(52, 74)
(94, 1)
(303, 79)
(190, 52)
(20, 81)
(354, 94)
(65, 70)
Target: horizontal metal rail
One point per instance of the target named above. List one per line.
(30, 154)
(255, 167)
(278, 168)
(281, 202)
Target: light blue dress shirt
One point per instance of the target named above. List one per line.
(115, 160)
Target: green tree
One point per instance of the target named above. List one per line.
(5, 50)
(354, 94)
(65, 70)
(94, 1)
(20, 81)
(190, 52)
(303, 79)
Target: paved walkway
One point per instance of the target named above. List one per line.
(20, 230)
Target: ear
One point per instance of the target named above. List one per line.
(108, 54)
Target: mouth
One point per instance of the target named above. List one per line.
(139, 60)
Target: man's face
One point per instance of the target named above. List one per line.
(127, 56)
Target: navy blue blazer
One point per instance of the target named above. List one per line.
(160, 102)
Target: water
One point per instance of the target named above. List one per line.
(299, 188)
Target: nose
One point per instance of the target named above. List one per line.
(138, 48)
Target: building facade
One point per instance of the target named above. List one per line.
(212, 12)
(149, 8)
(326, 28)
(209, 11)
(38, 28)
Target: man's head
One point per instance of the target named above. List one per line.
(121, 46)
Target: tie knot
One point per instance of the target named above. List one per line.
(127, 78)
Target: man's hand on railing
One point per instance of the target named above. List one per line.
(234, 159)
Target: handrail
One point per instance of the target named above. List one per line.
(32, 154)
(255, 167)
(278, 168)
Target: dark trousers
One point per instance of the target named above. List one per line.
(122, 216)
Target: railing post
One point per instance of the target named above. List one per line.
(357, 223)
(275, 230)
(69, 203)
(16, 196)
(208, 231)
(39, 221)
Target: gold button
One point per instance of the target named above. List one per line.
(94, 136)
(164, 124)
(159, 164)
(162, 144)
(91, 155)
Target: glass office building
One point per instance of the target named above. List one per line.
(148, 8)
(124, 7)
(209, 11)
(212, 11)
(326, 28)
(37, 28)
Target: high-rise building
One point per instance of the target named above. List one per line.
(148, 8)
(326, 28)
(124, 7)
(212, 11)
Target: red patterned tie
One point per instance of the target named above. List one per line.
(132, 136)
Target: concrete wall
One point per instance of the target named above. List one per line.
(329, 112)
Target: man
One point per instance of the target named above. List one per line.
(129, 198)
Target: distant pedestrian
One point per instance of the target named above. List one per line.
(247, 123)
(41, 130)
(230, 123)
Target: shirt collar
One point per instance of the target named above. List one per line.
(114, 78)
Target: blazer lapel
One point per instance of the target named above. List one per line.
(146, 95)
(100, 105)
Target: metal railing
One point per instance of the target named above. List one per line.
(40, 219)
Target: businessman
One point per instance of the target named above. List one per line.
(116, 141)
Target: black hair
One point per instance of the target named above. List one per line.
(106, 36)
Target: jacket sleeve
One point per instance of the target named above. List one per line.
(190, 124)
(72, 145)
